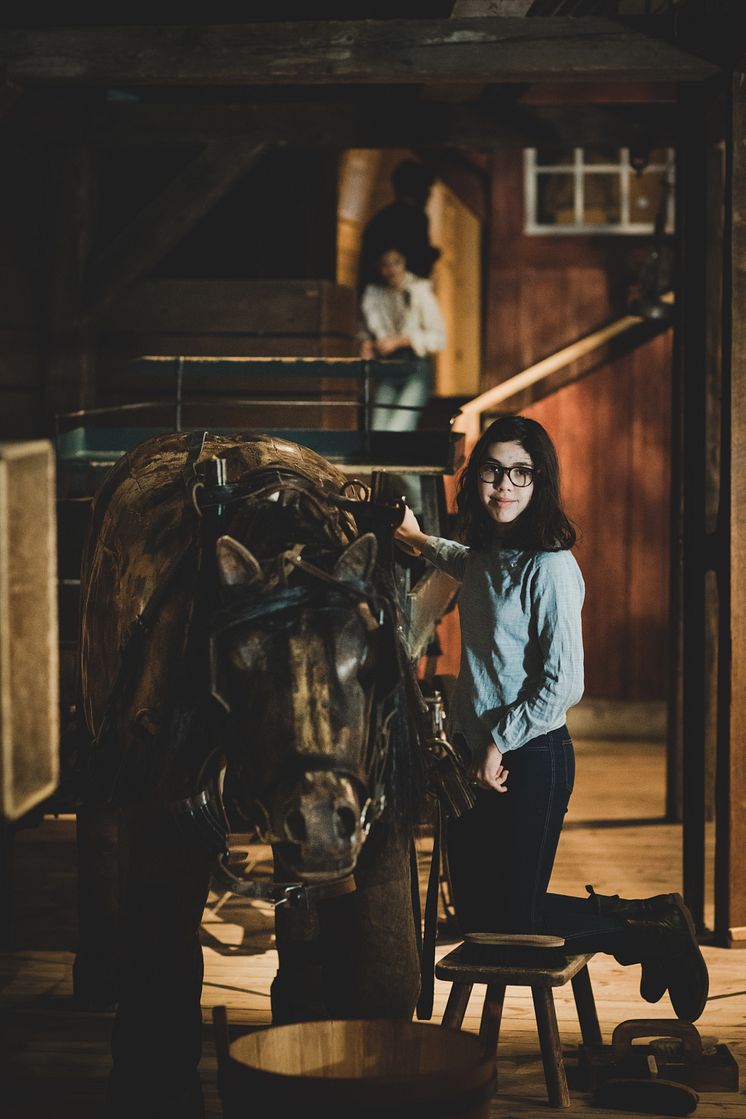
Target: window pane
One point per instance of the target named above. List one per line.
(551, 157)
(555, 199)
(601, 203)
(601, 155)
(645, 196)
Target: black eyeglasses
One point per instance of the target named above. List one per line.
(492, 473)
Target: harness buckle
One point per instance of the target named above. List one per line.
(291, 895)
(371, 811)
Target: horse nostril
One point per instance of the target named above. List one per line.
(295, 826)
(345, 822)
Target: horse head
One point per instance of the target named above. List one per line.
(304, 669)
(240, 647)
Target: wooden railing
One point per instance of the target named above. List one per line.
(554, 372)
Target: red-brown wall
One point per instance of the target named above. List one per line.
(542, 292)
(612, 432)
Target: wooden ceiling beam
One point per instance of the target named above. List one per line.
(165, 220)
(509, 49)
(318, 126)
(600, 93)
(478, 9)
(9, 95)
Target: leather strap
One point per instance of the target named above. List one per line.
(429, 933)
(195, 444)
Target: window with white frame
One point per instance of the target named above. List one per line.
(596, 190)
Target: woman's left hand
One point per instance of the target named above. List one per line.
(386, 346)
(490, 772)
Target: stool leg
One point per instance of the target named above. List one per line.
(586, 1008)
(551, 1050)
(458, 1000)
(492, 1013)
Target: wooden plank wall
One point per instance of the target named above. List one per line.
(612, 429)
(220, 318)
(612, 432)
(544, 292)
(255, 276)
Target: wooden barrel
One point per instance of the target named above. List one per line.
(355, 1070)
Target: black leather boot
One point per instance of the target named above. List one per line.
(665, 941)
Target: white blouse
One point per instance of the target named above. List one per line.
(411, 310)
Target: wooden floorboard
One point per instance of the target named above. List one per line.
(56, 1056)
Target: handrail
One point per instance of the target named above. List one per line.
(468, 419)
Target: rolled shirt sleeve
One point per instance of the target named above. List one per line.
(447, 556)
(521, 664)
(427, 332)
(373, 321)
(556, 595)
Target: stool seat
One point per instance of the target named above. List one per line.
(540, 974)
(497, 969)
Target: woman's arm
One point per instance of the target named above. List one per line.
(489, 771)
(410, 534)
(446, 555)
(365, 334)
(428, 335)
(557, 597)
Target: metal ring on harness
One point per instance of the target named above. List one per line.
(193, 495)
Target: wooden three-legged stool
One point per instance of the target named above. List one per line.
(540, 977)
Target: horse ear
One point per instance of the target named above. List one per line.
(358, 560)
(236, 565)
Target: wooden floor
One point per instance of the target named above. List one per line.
(57, 1055)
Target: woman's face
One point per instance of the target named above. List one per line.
(503, 499)
(393, 268)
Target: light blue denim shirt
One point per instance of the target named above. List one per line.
(521, 641)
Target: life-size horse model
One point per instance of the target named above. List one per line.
(239, 630)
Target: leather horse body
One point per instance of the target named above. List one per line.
(276, 675)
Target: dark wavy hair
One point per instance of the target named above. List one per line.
(543, 525)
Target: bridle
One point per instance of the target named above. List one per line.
(283, 606)
(277, 605)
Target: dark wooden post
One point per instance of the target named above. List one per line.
(691, 400)
(68, 382)
(503, 354)
(730, 881)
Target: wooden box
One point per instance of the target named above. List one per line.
(29, 681)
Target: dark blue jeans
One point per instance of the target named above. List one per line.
(501, 853)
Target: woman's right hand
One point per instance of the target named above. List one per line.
(490, 773)
(409, 534)
(367, 350)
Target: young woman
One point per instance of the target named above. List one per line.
(521, 669)
(401, 320)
